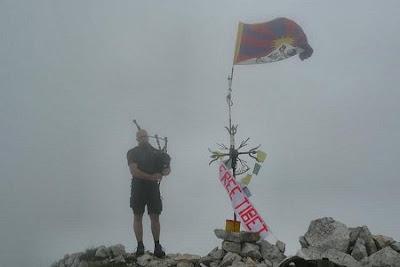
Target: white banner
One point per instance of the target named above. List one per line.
(244, 209)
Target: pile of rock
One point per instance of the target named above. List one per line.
(244, 249)
(327, 238)
(116, 256)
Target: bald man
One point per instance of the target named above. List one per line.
(145, 190)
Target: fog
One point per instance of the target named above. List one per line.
(73, 75)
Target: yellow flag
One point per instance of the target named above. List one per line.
(246, 180)
(261, 156)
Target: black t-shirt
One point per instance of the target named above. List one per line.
(145, 158)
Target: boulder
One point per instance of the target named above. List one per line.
(251, 250)
(216, 253)
(117, 250)
(384, 257)
(326, 233)
(382, 241)
(144, 260)
(102, 252)
(359, 250)
(280, 245)
(334, 255)
(249, 237)
(366, 235)
(231, 247)
(227, 236)
(303, 242)
(229, 259)
(270, 252)
(396, 246)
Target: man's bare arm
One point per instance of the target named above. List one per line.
(138, 173)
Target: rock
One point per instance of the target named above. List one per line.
(242, 236)
(239, 264)
(229, 259)
(280, 245)
(185, 264)
(119, 259)
(251, 250)
(102, 252)
(268, 262)
(144, 259)
(249, 237)
(214, 264)
(365, 234)
(216, 253)
(396, 246)
(227, 236)
(83, 264)
(206, 260)
(382, 241)
(270, 252)
(385, 257)
(303, 242)
(187, 258)
(359, 250)
(327, 233)
(336, 256)
(231, 247)
(117, 250)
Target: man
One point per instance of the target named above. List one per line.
(145, 190)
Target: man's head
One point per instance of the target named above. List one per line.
(142, 137)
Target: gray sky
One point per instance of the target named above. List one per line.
(73, 75)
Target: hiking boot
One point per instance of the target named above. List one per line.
(139, 250)
(158, 251)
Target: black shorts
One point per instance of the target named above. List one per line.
(145, 193)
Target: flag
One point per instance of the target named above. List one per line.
(270, 41)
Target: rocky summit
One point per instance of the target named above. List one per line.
(327, 242)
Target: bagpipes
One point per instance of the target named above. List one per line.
(163, 160)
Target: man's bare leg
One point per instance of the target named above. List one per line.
(155, 226)
(138, 229)
(155, 230)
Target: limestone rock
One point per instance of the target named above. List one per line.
(327, 233)
(359, 250)
(385, 257)
(382, 241)
(144, 260)
(231, 247)
(396, 246)
(216, 253)
(251, 250)
(366, 235)
(227, 236)
(117, 250)
(303, 242)
(336, 256)
(270, 252)
(249, 237)
(229, 259)
(280, 245)
(185, 264)
(102, 252)
(187, 258)
(83, 264)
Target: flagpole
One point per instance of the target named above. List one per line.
(232, 131)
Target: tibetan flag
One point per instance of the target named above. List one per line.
(271, 41)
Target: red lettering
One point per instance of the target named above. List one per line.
(231, 182)
(248, 214)
(246, 200)
(253, 221)
(234, 190)
(225, 178)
